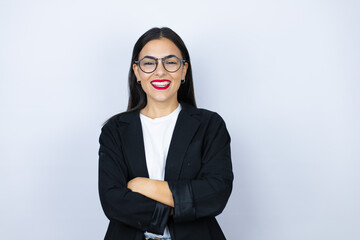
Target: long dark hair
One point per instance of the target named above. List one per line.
(137, 96)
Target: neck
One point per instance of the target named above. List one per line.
(159, 109)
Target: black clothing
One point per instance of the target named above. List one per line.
(198, 171)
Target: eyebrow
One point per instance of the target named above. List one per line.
(171, 55)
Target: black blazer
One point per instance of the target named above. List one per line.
(198, 171)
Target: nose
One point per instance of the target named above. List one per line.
(160, 68)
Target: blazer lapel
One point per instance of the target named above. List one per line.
(132, 140)
(184, 131)
(133, 144)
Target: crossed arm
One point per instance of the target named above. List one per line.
(155, 189)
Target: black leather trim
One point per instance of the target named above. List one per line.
(184, 209)
(159, 218)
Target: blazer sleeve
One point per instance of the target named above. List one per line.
(208, 194)
(118, 202)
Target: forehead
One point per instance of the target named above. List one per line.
(160, 48)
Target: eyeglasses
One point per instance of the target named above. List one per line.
(170, 63)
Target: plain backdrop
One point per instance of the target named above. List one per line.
(283, 74)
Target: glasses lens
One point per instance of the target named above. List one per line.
(172, 64)
(148, 64)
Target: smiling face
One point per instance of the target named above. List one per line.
(160, 86)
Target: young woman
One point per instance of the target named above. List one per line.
(164, 165)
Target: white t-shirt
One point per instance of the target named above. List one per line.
(157, 135)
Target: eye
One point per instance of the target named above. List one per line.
(171, 61)
(148, 63)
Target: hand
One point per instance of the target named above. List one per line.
(155, 189)
(139, 185)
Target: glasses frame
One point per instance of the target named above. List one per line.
(182, 61)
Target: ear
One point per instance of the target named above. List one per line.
(184, 70)
(135, 68)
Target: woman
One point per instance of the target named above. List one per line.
(164, 165)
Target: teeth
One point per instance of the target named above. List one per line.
(160, 84)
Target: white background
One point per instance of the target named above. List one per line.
(283, 74)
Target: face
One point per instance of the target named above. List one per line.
(160, 85)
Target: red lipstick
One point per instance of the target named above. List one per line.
(160, 84)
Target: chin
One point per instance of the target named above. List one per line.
(162, 99)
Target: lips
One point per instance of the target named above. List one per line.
(160, 84)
